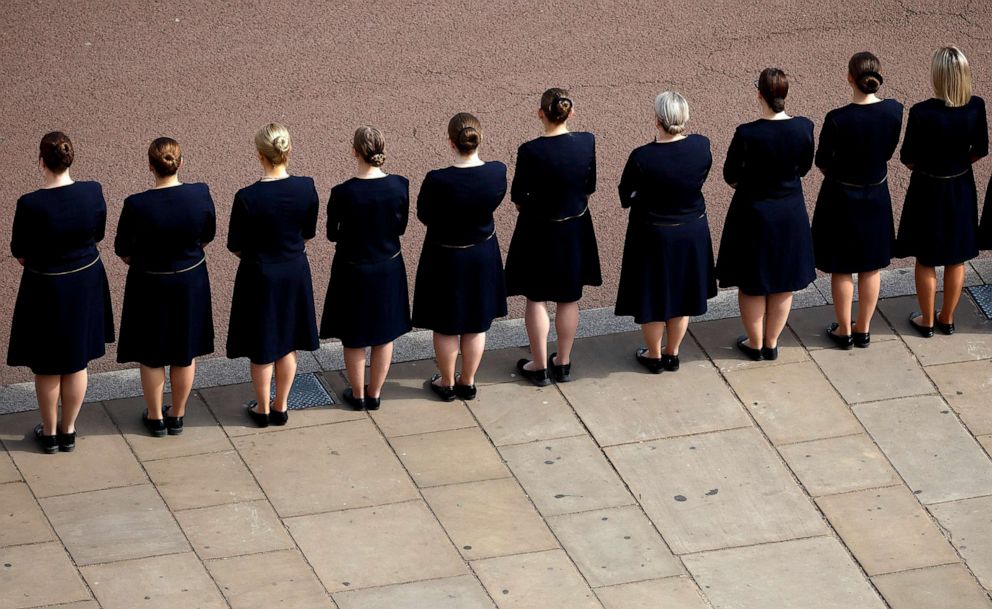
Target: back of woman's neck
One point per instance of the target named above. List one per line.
(276, 172)
(863, 99)
(167, 181)
(551, 130)
(468, 160)
(55, 180)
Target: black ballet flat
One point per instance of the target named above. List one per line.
(371, 403)
(561, 372)
(947, 329)
(48, 444)
(843, 342)
(155, 427)
(537, 377)
(653, 365)
(924, 331)
(751, 352)
(446, 393)
(173, 425)
(67, 441)
(465, 392)
(278, 417)
(769, 353)
(670, 362)
(349, 398)
(861, 339)
(260, 419)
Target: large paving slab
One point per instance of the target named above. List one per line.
(615, 546)
(811, 324)
(114, 524)
(21, 519)
(803, 574)
(102, 458)
(929, 447)
(201, 433)
(463, 592)
(489, 518)
(967, 386)
(839, 465)
(882, 371)
(8, 473)
(449, 457)
(566, 475)
(793, 402)
(972, 339)
(388, 544)
(203, 480)
(162, 582)
(275, 579)
(330, 467)
(668, 593)
(947, 587)
(38, 574)
(719, 340)
(234, 529)
(716, 490)
(692, 400)
(968, 524)
(542, 579)
(887, 530)
(514, 413)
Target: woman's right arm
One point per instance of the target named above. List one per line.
(826, 151)
(522, 186)
(629, 181)
(124, 240)
(333, 218)
(426, 201)
(237, 227)
(908, 154)
(733, 167)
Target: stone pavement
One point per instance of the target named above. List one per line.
(827, 479)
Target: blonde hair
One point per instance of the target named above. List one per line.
(272, 142)
(951, 76)
(672, 111)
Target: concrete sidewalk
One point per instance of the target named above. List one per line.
(827, 479)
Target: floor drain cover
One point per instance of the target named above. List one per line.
(983, 297)
(307, 392)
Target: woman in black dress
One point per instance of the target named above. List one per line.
(167, 318)
(553, 252)
(766, 249)
(945, 135)
(272, 310)
(367, 303)
(62, 316)
(853, 230)
(460, 287)
(667, 273)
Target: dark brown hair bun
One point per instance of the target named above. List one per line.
(165, 156)
(56, 151)
(370, 144)
(465, 132)
(773, 85)
(556, 105)
(864, 68)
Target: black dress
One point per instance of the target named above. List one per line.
(272, 310)
(553, 252)
(667, 266)
(939, 223)
(766, 247)
(62, 315)
(985, 229)
(460, 287)
(367, 301)
(167, 318)
(853, 229)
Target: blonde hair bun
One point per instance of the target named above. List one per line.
(273, 142)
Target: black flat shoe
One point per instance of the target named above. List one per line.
(769, 353)
(49, 444)
(561, 372)
(843, 342)
(447, 394)
(173, 425)
(861, 339)
(278, 417)
(349, 398)
(538, 377)
(260, 419)
(465, 392)
(155, 427)
(670, 362)
(372, 403)
(67, 441)
(924, 331)
(653, 365)
(751, 352)
(947, 329)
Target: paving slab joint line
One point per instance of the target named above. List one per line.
(809, 440)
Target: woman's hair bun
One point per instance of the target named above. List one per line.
(468, 137)
(281, 143)
(556, 105)
(56, 151)
(778, 104)
(864, 69)
(165, 156)
(272, 142)
(376, 160)
(773, 85)
(465, 132)
(370, 145)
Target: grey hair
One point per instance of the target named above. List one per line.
(672, 111)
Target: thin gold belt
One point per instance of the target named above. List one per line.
(678, 223)
(879, 183)
(82, 268)
(930, 175)
(462, 247)
(578, 215)
(185, 270)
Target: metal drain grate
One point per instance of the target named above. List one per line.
(982, 294)
(307, 392)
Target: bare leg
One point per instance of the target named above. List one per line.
(567, 326)
(47, 387)
(153, 386)
(953, 284)
(653, 334)
(354, 365)
(73, 394)
(753, 318)
(538, 326)
(285, 375)
(677, 327)
(181, 378)
(473, 345)
(842, 288)
(261, 380)
(446, 352)
(382, 357)
(869, 286)
(926, 293)
(778, 307)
